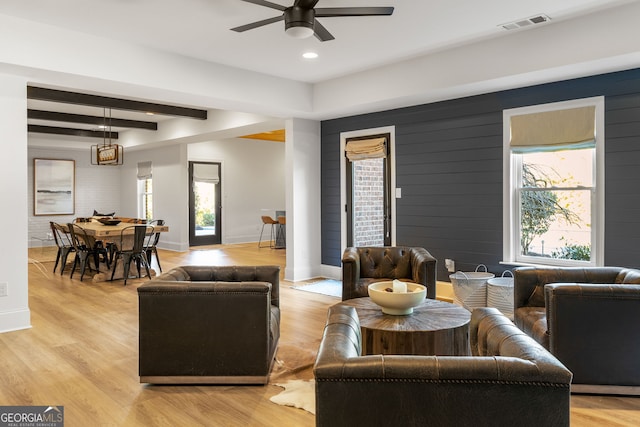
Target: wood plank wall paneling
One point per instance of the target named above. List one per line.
(449, 166)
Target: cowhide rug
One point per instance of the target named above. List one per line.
(297, 393)
(293, 372)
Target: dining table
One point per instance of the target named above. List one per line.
(111, 233)
(102, 231)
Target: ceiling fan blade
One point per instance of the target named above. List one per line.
(266, 4)
(328, 12)
(305, 4)
(321, 32)
(257, 24)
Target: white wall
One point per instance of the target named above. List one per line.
(14, 308)
(170, 197)
(97, 188)
(253, 183)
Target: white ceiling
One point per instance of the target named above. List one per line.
(184, 53)
(201, 29)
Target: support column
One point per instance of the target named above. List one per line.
(14, 307)
(302, 163)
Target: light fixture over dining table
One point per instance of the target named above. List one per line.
(107, 153)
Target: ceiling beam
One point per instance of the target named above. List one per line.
(73, 132)
(90, 120)
(54, 95)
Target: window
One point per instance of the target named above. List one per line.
(554, 183)
(146, 199)
(145, 191)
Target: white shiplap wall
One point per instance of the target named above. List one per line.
(97, 187)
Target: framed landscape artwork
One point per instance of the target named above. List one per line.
(54, 187)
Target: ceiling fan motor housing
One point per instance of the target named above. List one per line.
(295, 16)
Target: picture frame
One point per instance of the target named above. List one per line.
(54, 182)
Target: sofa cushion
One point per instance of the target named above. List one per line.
(628, 275)
(533, 322)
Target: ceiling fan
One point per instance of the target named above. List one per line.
(300, 19)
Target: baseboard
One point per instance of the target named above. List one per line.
(331, 272)
(15, 320)
(173, 246)
(605, 389)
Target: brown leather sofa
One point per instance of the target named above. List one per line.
(362, 266)
(209, 324)
(586, 317)
(510, 381)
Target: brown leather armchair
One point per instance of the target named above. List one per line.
(209, 324)
(362, 266)
(586, 317)
(510, 380)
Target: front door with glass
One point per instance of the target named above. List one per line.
(204, 204)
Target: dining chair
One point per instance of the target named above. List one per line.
(132, 247)
(152, 248)
(85, 249)
(64, 244)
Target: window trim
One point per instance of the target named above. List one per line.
(510, 178)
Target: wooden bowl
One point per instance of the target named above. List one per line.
(109, 221)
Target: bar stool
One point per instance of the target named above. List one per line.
(267, 220)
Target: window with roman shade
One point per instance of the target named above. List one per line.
(554, 186)
(145, 190)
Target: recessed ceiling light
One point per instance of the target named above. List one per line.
(309, 55)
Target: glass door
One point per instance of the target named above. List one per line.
(369, 194)
(204, 204)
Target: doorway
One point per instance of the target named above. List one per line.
(205, 208)
(368, 190)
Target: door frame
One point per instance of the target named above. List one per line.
(344, 136)
(218, 236)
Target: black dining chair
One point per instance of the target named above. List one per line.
(152, 249)
(64, 244)
(132, 248)
(86, 249)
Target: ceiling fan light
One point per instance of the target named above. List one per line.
(299, 32)
(298, 22)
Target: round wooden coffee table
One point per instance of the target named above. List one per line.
(434, 328)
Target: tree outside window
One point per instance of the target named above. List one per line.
(555, 204)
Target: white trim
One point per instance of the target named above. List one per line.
(15, 320)
(331, 272)
(391, 130)
(511, 169)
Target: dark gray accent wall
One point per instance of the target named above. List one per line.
(449, 166)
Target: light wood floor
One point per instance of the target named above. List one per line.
(81, 353)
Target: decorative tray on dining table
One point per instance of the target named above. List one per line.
(109, 221)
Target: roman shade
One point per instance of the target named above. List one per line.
(363, 149)
(572, 128)
(206, 172)
(144, 170)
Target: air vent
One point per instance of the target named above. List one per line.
(538, 19)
